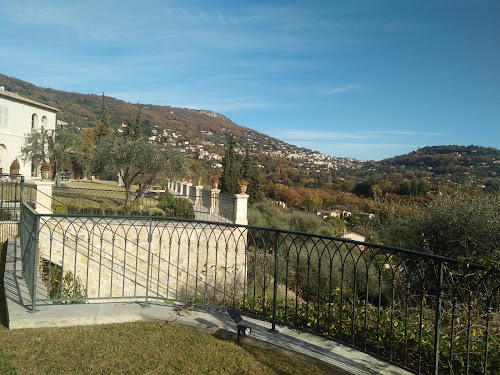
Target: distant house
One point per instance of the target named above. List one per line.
(18, 117)
(365, 215)
(334, 213)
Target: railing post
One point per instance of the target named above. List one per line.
(35, 263)
(240, 209)
(150, 238)
(275, 293)
(439, 297)
(214, 201)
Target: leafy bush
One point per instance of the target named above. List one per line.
(59, 208)
(176, 207)
(463, 225)
(267, 215)
(64, 287)
(155, 211)
(5, 215)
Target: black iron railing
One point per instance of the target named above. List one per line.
(425, 313)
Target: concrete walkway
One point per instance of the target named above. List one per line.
(326, 354)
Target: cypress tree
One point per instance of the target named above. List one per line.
(250, 173)
(103, 127)
(229, 179)
(137, 126)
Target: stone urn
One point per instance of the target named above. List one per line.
(14, 167)
(215, 182)
(242, 189)
(46, 169)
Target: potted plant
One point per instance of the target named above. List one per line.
(14, 167)
(242, 187)
(46, 168)
(215, 182)
(190, 179)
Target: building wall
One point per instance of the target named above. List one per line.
(15, 122)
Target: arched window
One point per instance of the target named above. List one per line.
(44, 122)
(34, 121)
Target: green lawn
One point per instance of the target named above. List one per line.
(135, 348)
(131, 348)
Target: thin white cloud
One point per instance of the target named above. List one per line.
(337, 90)
(319, 135)
(398, 132)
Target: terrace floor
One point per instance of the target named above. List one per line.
(323, 353)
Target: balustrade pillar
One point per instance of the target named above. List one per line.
(44, 196)
(214, 201)
(199, 192)
(241, 209)
(187, 190)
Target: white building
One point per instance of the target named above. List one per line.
(19, 116)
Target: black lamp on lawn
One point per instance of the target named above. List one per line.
(242, 329)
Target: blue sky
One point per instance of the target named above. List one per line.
(363, 79)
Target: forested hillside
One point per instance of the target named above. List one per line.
(282, 163)
(466, 165)
(83, 109)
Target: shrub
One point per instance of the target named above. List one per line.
(64, 287)
(155, 211)
(463, 225)
(59, 208)
(175, 207)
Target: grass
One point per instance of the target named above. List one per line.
(135, 348)
(131, 348)
(102, 185)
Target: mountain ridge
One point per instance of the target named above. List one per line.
(469, 164)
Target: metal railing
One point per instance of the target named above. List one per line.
(10, 197)
(206, 198)
(426, 313)
(112, 202)
(226, 207)
(218, 207)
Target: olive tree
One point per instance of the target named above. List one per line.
(38, 146)
(462, 225)
(138, 161)
(64, 148)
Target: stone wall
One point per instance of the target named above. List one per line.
(118, 257)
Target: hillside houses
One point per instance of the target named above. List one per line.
(343, 214)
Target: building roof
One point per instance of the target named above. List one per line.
(22, 99)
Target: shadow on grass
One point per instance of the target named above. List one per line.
(282, 364)
(4, 321)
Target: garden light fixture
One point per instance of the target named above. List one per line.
(242, 329)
